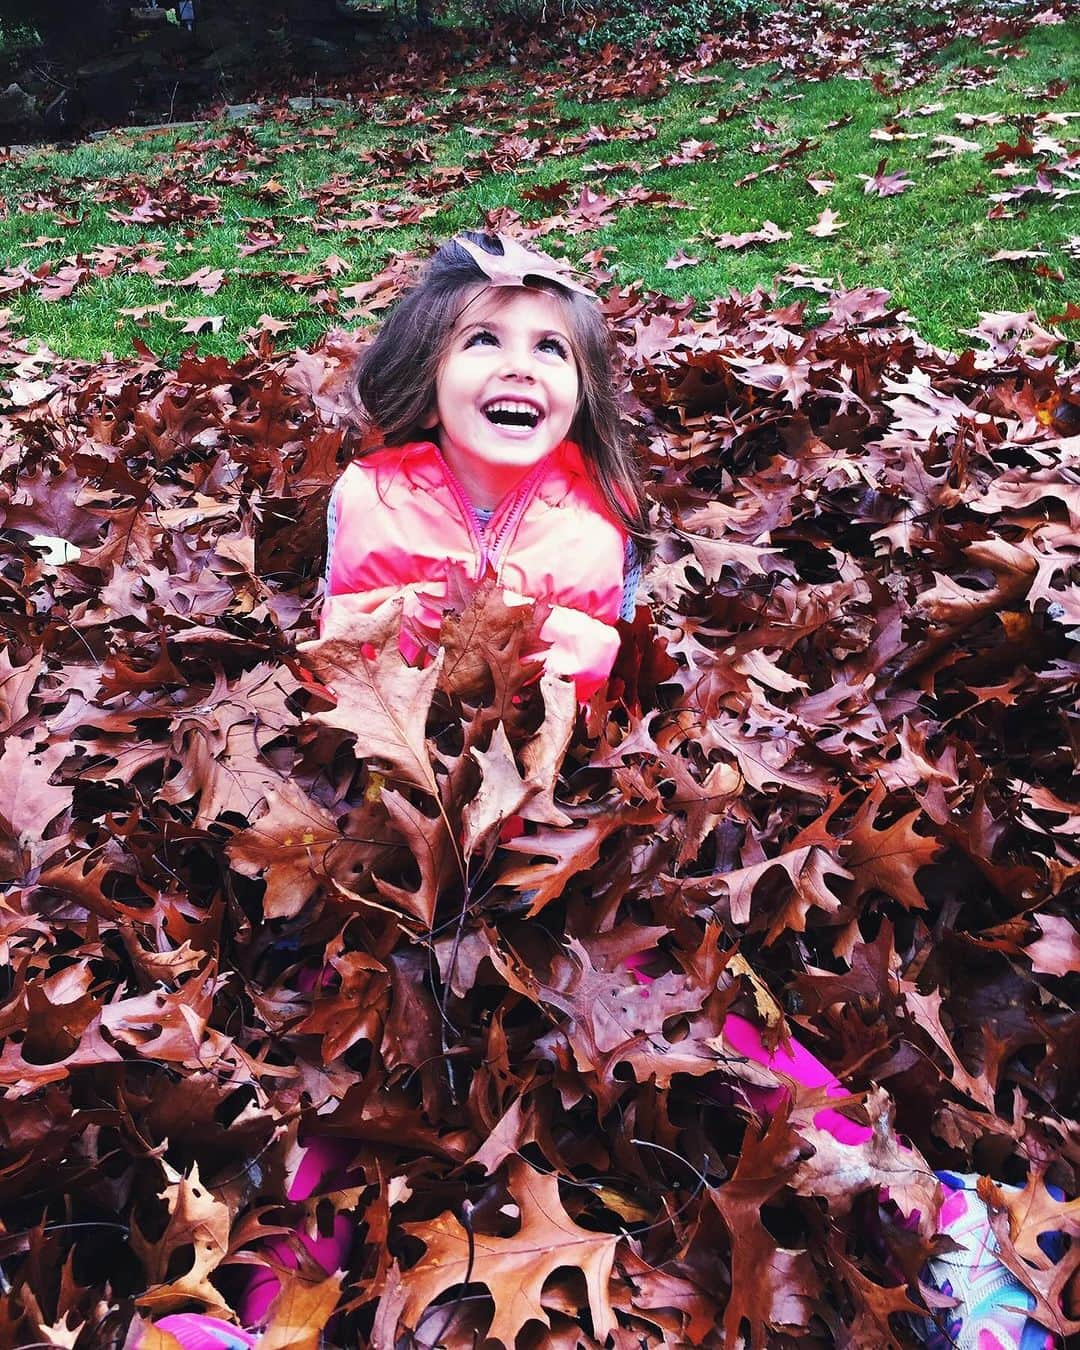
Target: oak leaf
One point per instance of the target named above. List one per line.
(608, 1011)
(1033, 1213)
(29, 803)
(875, 1304)
(197, 1219)
(882, 184)
(16, 685)
(561, 854)
(502, 792)
(840, 1170)
(287, 846)
(1057, 950)
(542, 755)
(491, 646)
(807, 868)
(827, 223)
(515, 1268)
(770, 233)
(300, 1312)
(926, 1010)
(655, 1288)
(771, 1287)
(381, 699)
(520, 266)
(1016, 1221)
(154, 1338)
(888, 858)
(432, 850)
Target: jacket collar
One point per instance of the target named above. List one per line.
(424, 464)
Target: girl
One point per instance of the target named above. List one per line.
(491, 384)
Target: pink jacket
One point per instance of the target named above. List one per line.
(403, 525)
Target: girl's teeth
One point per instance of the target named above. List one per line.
(511, 413)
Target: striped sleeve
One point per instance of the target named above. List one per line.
(631, 581)
(331, 529)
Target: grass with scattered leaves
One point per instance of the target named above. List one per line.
(930, 244)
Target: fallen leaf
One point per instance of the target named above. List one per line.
(1057, 950)
(514, 1269)
(827, 223)
(680, 259)
(882, 184)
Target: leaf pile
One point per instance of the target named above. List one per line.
(258, 885)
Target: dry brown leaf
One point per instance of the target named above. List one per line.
(514, 1269)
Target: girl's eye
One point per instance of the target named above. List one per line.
(555, 345)
(481, 338)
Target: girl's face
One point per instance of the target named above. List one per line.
(507, 390)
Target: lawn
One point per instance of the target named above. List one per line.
(955, 192)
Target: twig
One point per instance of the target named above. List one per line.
(466, 1223)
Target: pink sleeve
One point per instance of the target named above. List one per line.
(580, 647)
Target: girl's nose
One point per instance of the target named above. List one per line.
(517, 364)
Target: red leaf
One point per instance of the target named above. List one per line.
(882, 184)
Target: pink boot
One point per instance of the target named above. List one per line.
(993, 1308)
(323, 1167)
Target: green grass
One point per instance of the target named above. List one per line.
(928, 246)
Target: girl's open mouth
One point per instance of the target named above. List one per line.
(513, 413)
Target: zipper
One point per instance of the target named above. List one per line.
(523, 496)
(485, 552)
(472, 520)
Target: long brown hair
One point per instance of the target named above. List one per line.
(395, 376)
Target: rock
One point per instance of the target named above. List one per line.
(150, 129)
(306, 104)
(214, 31)
(243, 112)
(17, 108)
(328, 57)
(107, 67)
(235, 57)
(369, 16)
(169, 43)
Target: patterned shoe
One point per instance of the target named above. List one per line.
(197, 1331)
(992, 1312)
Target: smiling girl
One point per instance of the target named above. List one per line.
(491, 385)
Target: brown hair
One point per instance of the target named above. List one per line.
(395, 376)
